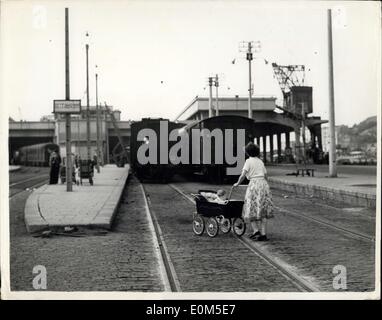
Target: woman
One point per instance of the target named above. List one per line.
(258, 199)
(54, 163)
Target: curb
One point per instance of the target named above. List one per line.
(106, 215)
(344, 196)
(35, 222)
(15, 168)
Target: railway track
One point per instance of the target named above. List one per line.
(353, 234)
(22, 185)
(168, 273)
(282, 268)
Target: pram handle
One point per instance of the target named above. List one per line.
(230, 192)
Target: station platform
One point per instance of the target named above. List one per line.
(14, 168)
(355, 185)
(89, 206)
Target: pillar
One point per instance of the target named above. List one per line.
(271, 147)
(265, 149)
(297, 144)
(287, 140)
(278, 137)
(319, 136)
(258, 141)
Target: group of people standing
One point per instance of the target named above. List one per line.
(55, 165)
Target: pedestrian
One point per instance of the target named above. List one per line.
(54, 162)
(258, 204)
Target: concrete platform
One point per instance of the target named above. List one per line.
(355, 189)
(14, 168)
(91, 206)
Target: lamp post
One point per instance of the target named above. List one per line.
(98, 125)
(332, 126)
(247, 46)
(217, 100)
(210, 98)
(87, 100)
(249, 58)
(68, 144)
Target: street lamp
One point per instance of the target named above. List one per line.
(87, 98)
(247, 47)
(99, 159)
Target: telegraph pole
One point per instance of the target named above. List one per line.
(210, 98)
(217, 100)
(67, 116)
(332, 126)
(249, 58)
(87, 102)
(98, 126)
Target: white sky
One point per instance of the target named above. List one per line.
(138, 44)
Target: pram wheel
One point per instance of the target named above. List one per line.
(212, 227)
(238, 226)
(225, 225)
(198, 225)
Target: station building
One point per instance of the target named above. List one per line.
(276, 124)
(52, 129)
(279, 129)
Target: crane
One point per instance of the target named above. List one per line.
(118, 157)
(289, 76)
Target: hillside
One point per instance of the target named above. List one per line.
(360, 135)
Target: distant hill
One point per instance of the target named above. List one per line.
(359, 135)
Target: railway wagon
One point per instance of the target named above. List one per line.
(154, 134)
(223, 138)
(36, 155)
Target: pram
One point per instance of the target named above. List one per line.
(63, 174)
(211, 215)
(86, 170)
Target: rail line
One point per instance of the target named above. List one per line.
(167, 270)
(282, 268)
(40, 182)
(323, 205)
(353, 234)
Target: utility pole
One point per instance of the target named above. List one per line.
(87, 101)
(303, 133)
(98, 126)
(67, 116)
(210, 98)
(249, 58)
(332, 126)
(217, 100)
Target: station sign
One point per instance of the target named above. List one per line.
(66, 106)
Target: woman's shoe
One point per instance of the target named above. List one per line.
(262, 238)
(256, 234)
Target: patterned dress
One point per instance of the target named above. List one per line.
(258, 198)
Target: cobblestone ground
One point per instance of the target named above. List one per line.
(121, 260)
(315, 249)
(208, 264)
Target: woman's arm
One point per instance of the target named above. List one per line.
(241, 179)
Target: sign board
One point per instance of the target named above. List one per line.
(66, 106)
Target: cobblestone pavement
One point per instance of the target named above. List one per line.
(121, 260)
(208, 264)
(125, 258)
(313, 248)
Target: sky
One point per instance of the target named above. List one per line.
(154, 57)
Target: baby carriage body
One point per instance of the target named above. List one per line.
(212, 215)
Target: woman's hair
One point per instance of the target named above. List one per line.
(252, 149)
